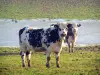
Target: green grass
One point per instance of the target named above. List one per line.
(82, 62)
(9, 50)
(70, 9)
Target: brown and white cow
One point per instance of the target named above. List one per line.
(72, 30)
(72, 35)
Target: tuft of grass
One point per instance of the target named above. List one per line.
(81, 62)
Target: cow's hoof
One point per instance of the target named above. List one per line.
(29, 65)
(58, 66)
(47, 65)
(23, 65)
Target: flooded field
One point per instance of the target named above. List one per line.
(89, 32)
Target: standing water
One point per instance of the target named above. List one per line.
(89, 32)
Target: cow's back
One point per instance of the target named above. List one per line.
(35, 36)
(30, 37)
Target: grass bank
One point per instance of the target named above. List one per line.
(85, 61)
(70, 9)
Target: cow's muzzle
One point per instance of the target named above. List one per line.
(63, 35)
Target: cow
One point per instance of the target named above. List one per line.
(72, 30)
(51, 38)
(72, 35)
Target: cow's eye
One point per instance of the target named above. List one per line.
(66, 28)
(59, 29)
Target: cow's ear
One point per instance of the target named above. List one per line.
(52, 25)
(78, 25)
(56, 26)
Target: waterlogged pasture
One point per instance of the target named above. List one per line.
(85, 61)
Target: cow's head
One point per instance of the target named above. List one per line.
(61, 30)
(73, 27)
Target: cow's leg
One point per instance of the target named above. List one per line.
(69, 47)
(23, 58)
(28, 55)
(72, 47)
(57, 59)
(48, 59)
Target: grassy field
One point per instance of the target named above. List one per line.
(70, 9)
(85, 61)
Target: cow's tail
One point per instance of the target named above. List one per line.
(20, 32)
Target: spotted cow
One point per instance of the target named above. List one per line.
(50, 38)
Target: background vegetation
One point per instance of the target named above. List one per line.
(70, 9)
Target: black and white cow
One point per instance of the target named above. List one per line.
(50, 38)
(72, 35)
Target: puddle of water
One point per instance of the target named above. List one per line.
(89, 32)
